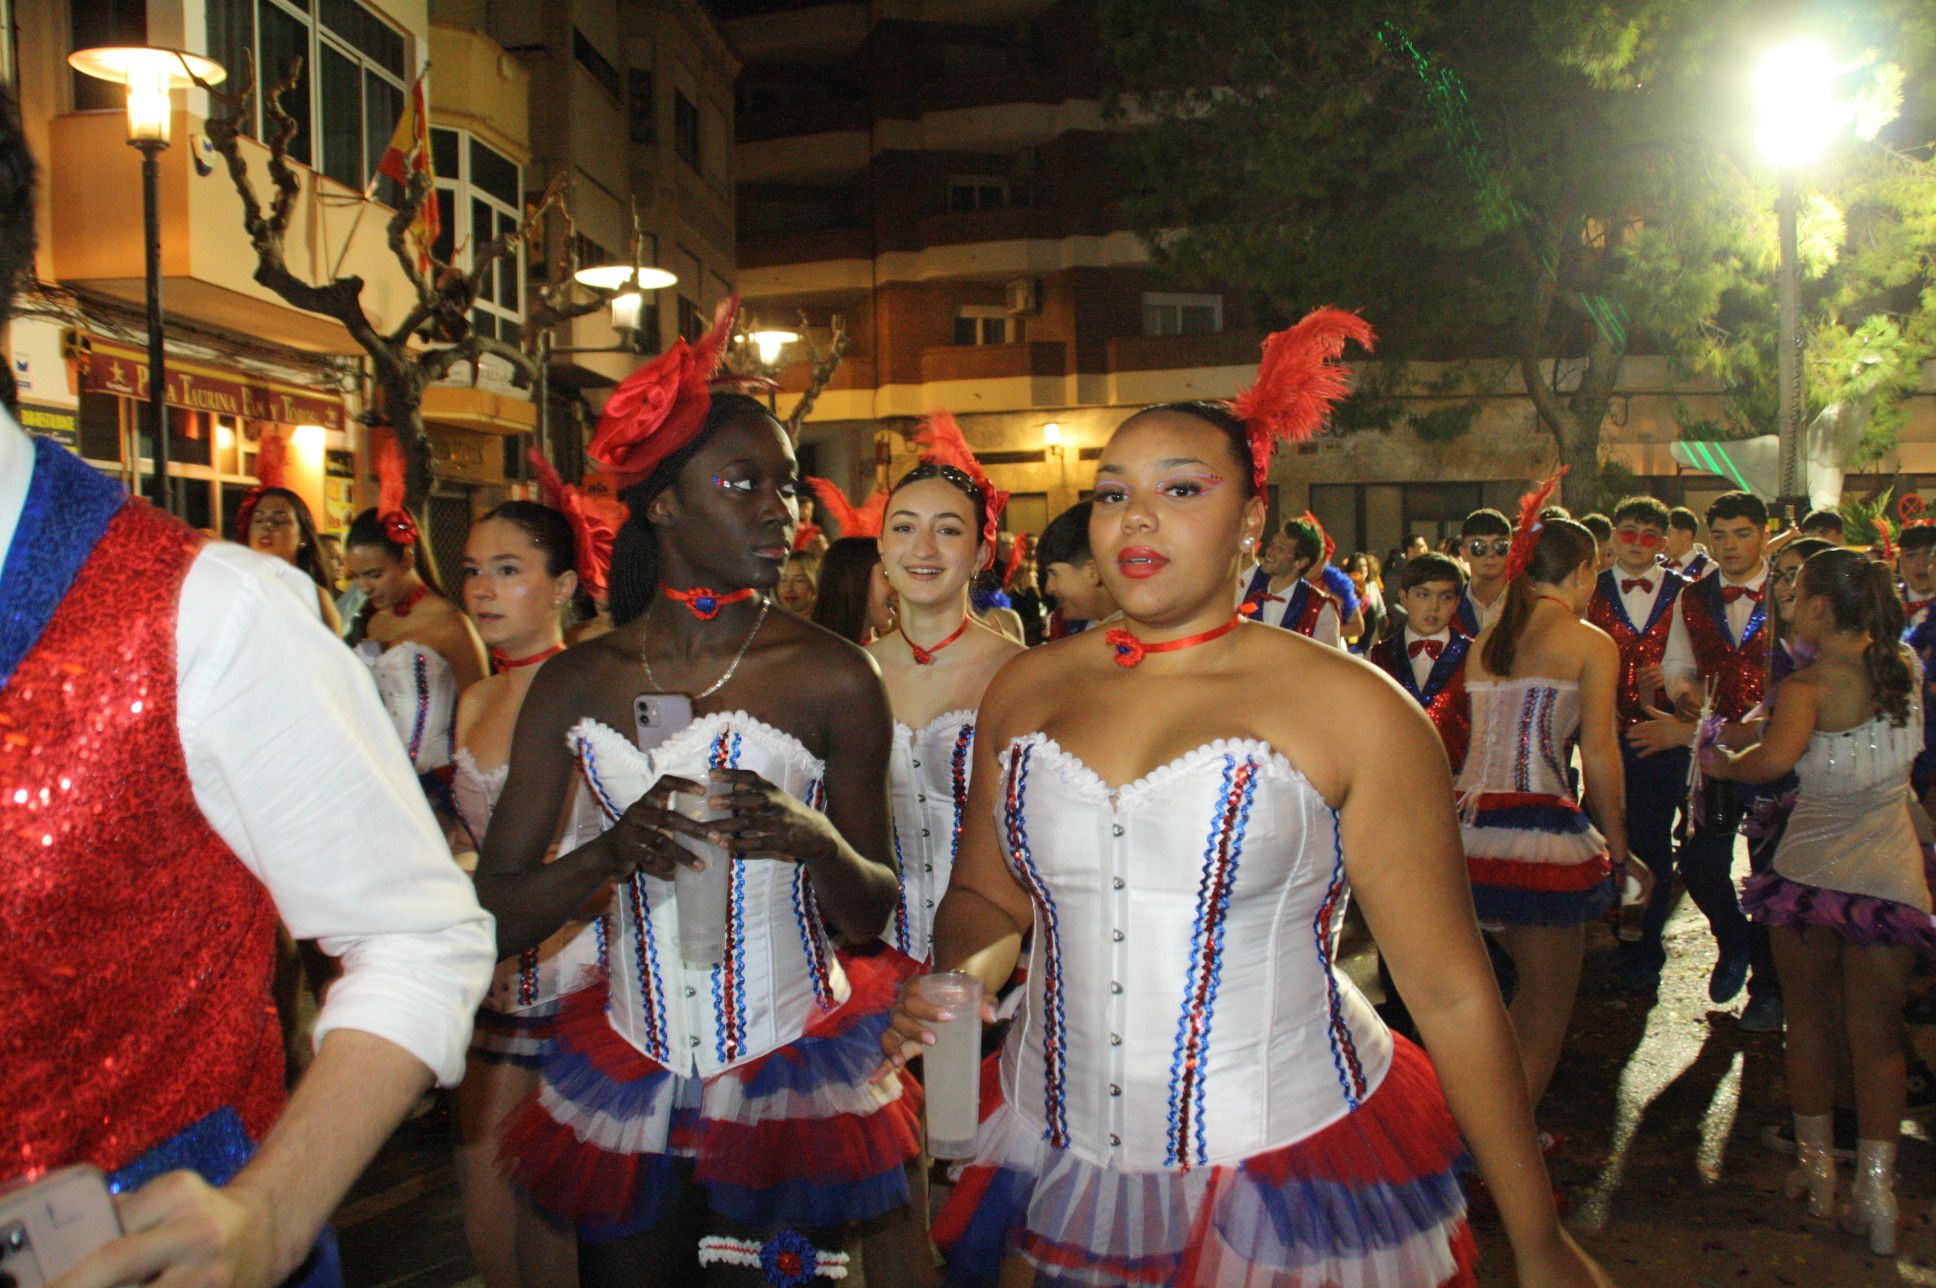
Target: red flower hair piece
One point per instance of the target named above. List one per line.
(271, 465)
(661, 407)
(1526, 535)
(1017, 551)
(1885, 547)
(803, 535)
(1330, 546)
(942, 437)
(853, 521)
(398, 526)
(1298, 382)
(595, 521)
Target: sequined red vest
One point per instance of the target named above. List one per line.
(1741, 671)
(1640, 645)
(138, 949)
(1444, 697)
(1306, 606)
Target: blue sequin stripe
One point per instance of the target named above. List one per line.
(964, 742)
(645, 951)
(729, 977)
(1344, 1052)
(1055, 1020)
(806, 915)
(1523, 747)
(1549, 699)
(903, 937)
(422, 669)
(1220, 859)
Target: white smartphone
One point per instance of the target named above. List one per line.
(657, 716)
(50, 1225)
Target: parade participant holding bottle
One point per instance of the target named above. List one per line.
(1538, 679)
(938, 534)
(1170, 808)
(1846, 897)
(706, 1104)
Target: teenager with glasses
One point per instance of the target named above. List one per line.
(1485, 538)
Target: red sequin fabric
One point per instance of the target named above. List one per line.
(138, 948)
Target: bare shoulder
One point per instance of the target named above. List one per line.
(1028, 673)
(839, 665)
(476, 700)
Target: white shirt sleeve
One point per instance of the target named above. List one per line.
(1677, 661)
(295, 766)
(1326, 629)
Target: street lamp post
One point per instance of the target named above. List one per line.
(151, 75)
(769, 344)
(1798, 117)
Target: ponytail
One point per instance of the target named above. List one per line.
(1559, 550)
(1861, 594)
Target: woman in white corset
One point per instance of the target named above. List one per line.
(705, 1106)
(1847, 898)
(939, 531)
(519, 576)
(1539, 677)
(1175, 809)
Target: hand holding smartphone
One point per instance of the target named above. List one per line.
(48, 1226)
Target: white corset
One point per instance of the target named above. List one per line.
(1183, 1008)
(419, 690)
(1521, 732)
(928, 783)
(779, 968)
(570, 956)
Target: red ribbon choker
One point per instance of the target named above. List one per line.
(1130, 650)
(403, 606)
(704, 602)
(501, 661)
(925, 656)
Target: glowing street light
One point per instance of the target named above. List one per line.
(768, 344)
(631, 281)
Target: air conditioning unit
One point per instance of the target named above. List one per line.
(1024, 296)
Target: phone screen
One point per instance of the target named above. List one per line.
(657, 716)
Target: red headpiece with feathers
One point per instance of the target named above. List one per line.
(1298, 381)
(1885, 547)
(944, 444)
(1330, 546)
(661, 407)
(271, 464)
(595, 521)
(1017, 552)
(861, 521)
(1526, 535)
(398, 526)
(804, 534)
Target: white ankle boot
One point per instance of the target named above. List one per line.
(1814, 1173)
(1873, 1196)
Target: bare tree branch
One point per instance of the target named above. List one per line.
(823, 370)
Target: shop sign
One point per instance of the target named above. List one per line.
(58, 423)
(467, 458)
(115, 369)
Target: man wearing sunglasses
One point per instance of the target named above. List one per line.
(1485, 538)
(1633, 601)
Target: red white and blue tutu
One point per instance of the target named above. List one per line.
(1534, 860)
(1371, 1201)
(514, 1037)
(797, 1138)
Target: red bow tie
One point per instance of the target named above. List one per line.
(1731, 593)
(1628, 585)
(1911, 607)
(1431, 648)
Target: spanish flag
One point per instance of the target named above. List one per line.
(409, 154)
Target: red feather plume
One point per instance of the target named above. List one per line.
(1298, 382)
(803, 535)
(1017, 552)
(595, 521)
(1526, 535)
(944, 444)
(1885, 547)
(861, 521)
(272, 461)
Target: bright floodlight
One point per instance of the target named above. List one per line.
(613, 277)
(1795, 104)
(628, 311)
(769, 344)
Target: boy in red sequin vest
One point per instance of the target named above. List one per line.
(1634, 602)
(1427, 657)
(1718, 641)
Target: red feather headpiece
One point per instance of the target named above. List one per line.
(1017, 552)
(1330, 546)
(271, 465)
(942, 438)
(1526, 535)
(1885, 549)
(661, 407)
(804, 534)
(398, 526)
(862, 521)
(1298, 381)
(595, 521)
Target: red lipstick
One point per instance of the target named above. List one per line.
(1140, 562)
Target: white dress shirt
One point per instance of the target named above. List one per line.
(1487, 613)
(1639, 603)
(296, 768)
(1677, 663)
(1423, 662)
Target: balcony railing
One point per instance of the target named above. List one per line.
(993, 361)
(1177, 352)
